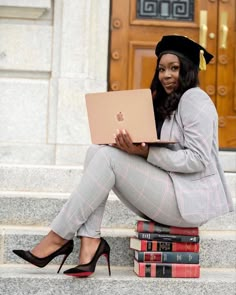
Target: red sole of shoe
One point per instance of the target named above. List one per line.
(80, 275)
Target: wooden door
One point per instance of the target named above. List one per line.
(226, 73)
(136, 27)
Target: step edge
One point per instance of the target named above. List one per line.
(111, 232)
(125, 271)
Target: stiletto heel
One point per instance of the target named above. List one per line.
(42, 262)
(108, 263)
(85, 270)
(63, 261)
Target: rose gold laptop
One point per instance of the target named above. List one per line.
(127, 109)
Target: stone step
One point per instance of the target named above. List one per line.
(217, 249)
(32, 208)
(56, 178)
(228, 160)
(28, 280)
(39, 178)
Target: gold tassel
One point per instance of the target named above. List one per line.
(202, 61)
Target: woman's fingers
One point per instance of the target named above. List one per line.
(126, 138)
(120, 138)
(123, 140)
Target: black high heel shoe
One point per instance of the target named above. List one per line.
(85, 270)
(41, 262)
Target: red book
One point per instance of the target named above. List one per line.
(166, 270)
(153, 227)
(145, 245)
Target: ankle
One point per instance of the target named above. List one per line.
(50, 243)
(88, 248)
(56, 239)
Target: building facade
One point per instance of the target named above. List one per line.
(51, 54)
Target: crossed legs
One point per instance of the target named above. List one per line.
(145, 189)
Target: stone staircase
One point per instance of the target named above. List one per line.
(30, 197)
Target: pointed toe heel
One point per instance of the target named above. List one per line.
(42, 262)
(85, 270)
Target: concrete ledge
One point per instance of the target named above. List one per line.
(25, 208)
(16, 280)
(27, 3)
(228, 160)
(52, 178)
(216, 249)
(24, 8)
(36, 178)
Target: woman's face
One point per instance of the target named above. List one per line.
(168, 68)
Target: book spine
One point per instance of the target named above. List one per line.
(167, 237)
(167, 257)
(144, 245)
(152, 227)
(157, 270)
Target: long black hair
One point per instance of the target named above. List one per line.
(165, 104)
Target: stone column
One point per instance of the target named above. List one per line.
(80, 61)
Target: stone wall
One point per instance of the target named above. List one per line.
(51, 54)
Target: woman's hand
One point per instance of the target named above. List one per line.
(124, 143)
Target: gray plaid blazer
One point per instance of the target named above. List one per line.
(193, 163)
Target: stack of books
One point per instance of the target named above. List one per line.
(165, 251)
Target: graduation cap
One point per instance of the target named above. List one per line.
(185, 47)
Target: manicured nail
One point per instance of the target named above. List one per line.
(123, 131)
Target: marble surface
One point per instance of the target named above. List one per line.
(23, 112)
(29, 280)
(39, 209)
(26, 47)
(65, 44)
(213, 245)
(39, 178)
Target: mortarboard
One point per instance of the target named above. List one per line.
(185, 47)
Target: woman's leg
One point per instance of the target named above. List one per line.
(88, 229)
(143, 186)
(55, 238)
(167, 209)
(52, 241)
(152, 197)
(88, 199)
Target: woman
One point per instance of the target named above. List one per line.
(177, 185)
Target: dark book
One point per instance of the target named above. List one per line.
(153, 227)
(145, 245)
(167, 257)
(167, 237)
(166, 270)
